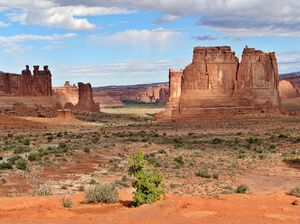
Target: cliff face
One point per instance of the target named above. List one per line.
(257, 79)
(26, 84)
(216, 82)
(66, 94)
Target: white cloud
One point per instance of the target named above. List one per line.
(166, 19)
(135, 36)
(48, 13)
(12, 44)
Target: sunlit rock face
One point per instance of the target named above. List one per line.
(288, 90)
(258, 80)
(66, 94)
(215, 82)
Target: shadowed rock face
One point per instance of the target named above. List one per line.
(288, 90)
(215, 81)
(86, 102)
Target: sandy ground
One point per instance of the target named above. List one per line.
(226, 209)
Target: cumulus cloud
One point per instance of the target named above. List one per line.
(13, 44)
(245, 17)
(49, 13)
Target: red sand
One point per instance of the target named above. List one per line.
(226, 209)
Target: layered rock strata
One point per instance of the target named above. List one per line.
(215, 82)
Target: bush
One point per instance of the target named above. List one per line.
(33, 156)
(179, 160)
(4, 166)
(67, 202)
(295, 192)
(81, 188)
(102, 193)
(22, 164)
(217, 141)
(148, 181)
(43, 189)
(242, 189)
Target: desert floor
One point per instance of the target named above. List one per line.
(203, 162)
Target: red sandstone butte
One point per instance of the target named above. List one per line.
(86, 102)
(215, 82)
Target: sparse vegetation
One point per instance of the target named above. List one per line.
(67, 202)
(102, 193)
(295, 192)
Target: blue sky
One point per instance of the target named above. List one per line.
(121, 42)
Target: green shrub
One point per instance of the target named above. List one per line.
(81, 188)
(93, 182)
(217, 141)
(295, 192)
(242, 189)
(4, 166)
(34, 156)
(22, 164)
(21, 150)
(67, 202)
(148, 181)
(102, 193)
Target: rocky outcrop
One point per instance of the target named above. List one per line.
(215, 82)
(66, 94)
(146, 93)
(86, 102)
(26, 84)
(288, 90)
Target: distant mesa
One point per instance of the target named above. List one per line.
(215, 83)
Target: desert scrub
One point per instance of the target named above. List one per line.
(102, 193)
(295, 192)
(292, 157)
(242, 189)
(148, 182)
(43, 189)
(5, 166)
(21, 164)
(67, 202)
